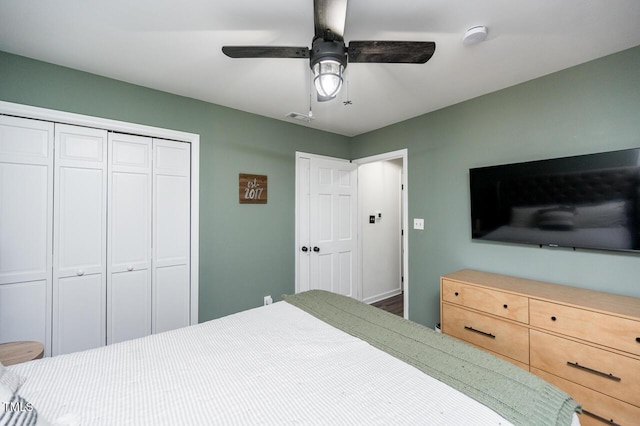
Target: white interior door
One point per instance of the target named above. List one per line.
(26, 206)
(327, 218)
(80, 225)
(171, 279)
(129, 242)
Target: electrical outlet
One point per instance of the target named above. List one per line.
(268, 300)
(418, 224)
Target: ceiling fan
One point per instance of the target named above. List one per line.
(329, 55)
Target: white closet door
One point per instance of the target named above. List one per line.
(171, 235)
(129, 242)
(80, 224)
(26, 205)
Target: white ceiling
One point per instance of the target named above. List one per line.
(175, 46)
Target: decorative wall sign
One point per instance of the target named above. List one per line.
(253, 189)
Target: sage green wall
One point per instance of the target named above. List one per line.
(588, 108)
(246, 251)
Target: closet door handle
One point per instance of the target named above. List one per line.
(316, 249)
(79, 272)
(599, 418)
(305, 249)
(592, 371)
(484, 333)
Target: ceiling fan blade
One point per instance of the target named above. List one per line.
(265, 51)
(330, 15)
(397, 52)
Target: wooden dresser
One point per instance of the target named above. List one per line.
(585, 342)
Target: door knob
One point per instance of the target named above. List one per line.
(129, 268)
(316, 249)
(305, 249)
(79, 272)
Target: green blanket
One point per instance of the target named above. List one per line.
(517, 395)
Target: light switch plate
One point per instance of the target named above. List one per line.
(418, 224)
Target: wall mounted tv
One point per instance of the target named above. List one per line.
(587, 201)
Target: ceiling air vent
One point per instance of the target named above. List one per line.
(299, 117)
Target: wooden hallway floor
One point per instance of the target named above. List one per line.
(394, 304)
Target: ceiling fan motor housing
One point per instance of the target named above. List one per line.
(322, 49)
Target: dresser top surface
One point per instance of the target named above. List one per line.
(596, 300)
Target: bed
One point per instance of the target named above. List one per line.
(315, 358)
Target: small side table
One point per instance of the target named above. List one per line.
(17, 352)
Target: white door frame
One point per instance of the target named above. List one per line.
(393, 155)
(27, 111)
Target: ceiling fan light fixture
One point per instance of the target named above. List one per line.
(327, 78)
(328, 59)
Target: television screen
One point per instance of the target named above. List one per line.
(587, 201)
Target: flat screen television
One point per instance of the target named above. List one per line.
(587, 201)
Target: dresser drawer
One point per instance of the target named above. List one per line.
(610, 410)
(496, 335)
(601, 370)
(498, 303)
(607, 330)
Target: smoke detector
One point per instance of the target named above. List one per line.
(475, 35)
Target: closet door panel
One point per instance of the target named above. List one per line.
(130, 221)
(24, 218)
(26, 227)
(172, 220)
(171, 235)
(25, 141)
(23, 309)
(130, 151)
(131, 297)
(80, 225)
(81, 196)
(81, 144)
(172, 298)
(129, 253)
(171, 157)
(79, 314)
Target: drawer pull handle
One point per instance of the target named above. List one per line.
(456, 293)
(597, 417)
(553, 318)
(505, 306)
(638, 339)
(484, 333)
(596, 372)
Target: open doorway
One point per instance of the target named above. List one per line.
(382, 217)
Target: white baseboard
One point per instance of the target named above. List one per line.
(382, 296)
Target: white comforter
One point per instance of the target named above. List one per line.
(270, 365)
